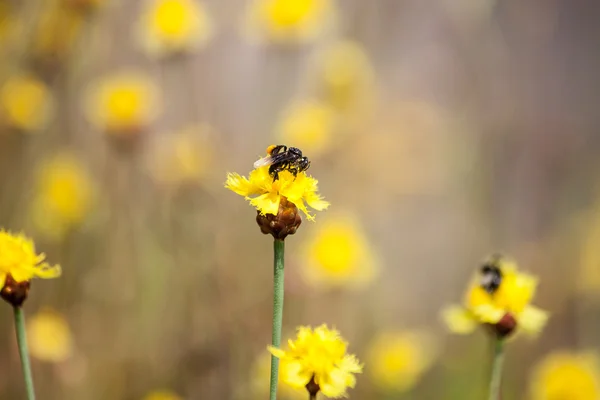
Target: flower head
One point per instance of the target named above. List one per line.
(318, 357)
(169, 26)
(123, 103)
(501, 299)
(398, 359)
(565, 375)
(49, 336)
(25, 102)
(339, 255)
(290, 20)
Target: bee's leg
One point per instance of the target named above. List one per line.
(274, 171)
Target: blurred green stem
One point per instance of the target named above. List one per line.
(23, 352)
(278, 250)
(497, 369)
(312, 396)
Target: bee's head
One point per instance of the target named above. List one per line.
(303, 163)
(491, 277)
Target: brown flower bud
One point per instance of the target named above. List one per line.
(14, 292)
(312, 388)
(504, 327)
(286, 222)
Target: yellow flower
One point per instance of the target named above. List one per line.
(290, 20)
(49, 336)
(121, 103)
(169, 26)
(25, 102)
(398, 359)
(265, 194)
(162, 395)
(338, 255)
(318, 355)
(511, 298)
(64, 195)
(261, 372)
(566, 376)
(19, 260)
(309, 125)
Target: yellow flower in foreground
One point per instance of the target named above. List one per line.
(566, 376)
(25, 102)
(265, 194)
(318, 356)
(64, 195)
(309, 125)
(504, 306)
(162, 395)
(19, 260)
(338, 255)
(261, 372)
(124, 102)
(174, 25)
(49, 336)
(398, 359)
(290, 20)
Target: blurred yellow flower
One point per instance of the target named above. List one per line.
(25, 102)
(169, 26)
(56, 33)
(346, 76)
(397, 359)
(566, 376)
(318, 356)
(260, 374)
(290, 20)
(183, 156)
(338, 255)
(123, 103)
(19, 260)
(508, 302)
(64, 194)
(265, 194)
(589, 272)
(308, 125)
(49, 336)
(162, 395)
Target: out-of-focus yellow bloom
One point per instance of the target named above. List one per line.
(123, 103)
(339, 255)
(19, 260)
(261, 372)
(183, 156)
(566, 376)
(589, 272)
(309, 125)
(162, 395)
(346, 76)
(290, 20)
(512, 298)
(25, 102)
(398, 359)
(49, 336)
(56, 33)
(318, 355)
(169, 26)
(265, 194)
(64, 195)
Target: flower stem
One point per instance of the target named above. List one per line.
(497, 369)
(312, 396)
(278, 250)
(23, 352)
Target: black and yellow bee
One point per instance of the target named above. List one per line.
(282, 158)
(491, 275)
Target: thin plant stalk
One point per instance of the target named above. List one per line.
(498, 361)
(23, 351)
(278, 251)
(312, 396)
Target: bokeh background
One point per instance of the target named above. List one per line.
(439, 130)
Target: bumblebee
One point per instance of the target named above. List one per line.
(491, 276)
(282, 158)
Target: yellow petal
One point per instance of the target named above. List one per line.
(293, 373)
(240, 185)
(488, 313)
(267, 203)
(532, 320)
(2, 279)
(276, 352)
(459, 320)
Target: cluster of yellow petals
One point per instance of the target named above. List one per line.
(264, 193)
(25, 103)
(513, 297)
(566, 375)
(49, 336)
(318, 355)
(19, 260)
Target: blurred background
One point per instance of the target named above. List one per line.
(440, 131)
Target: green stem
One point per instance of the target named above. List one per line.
(23, 352)
(497, 370)
(312, 396)
(278, 250)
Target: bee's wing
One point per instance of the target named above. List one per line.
(269, 160)
(263, 161)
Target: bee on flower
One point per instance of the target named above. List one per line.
(498, 297)
(317, 360)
